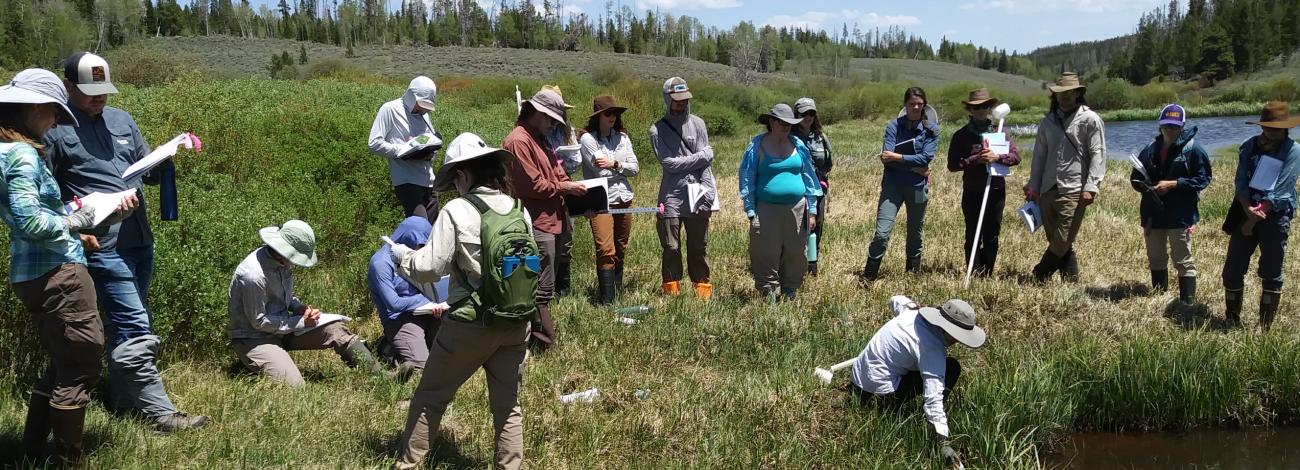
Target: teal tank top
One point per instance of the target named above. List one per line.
(780, 181)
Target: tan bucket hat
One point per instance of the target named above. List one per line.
(957, 318)
(1066, 82)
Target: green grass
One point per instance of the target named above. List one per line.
(729, 381)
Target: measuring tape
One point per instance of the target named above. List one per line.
(634, 210)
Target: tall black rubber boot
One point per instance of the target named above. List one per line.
(1160, 281)
(1268, 304)
(1232, 299)
(1070, 267)
(605, 280)
(1187, 289)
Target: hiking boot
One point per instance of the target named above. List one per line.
(871, 271)
(703, 291)
(1268, 303)
(408, 369)
(788, 293)
(606, 283)
(1160, 281)
(1047, 265)
(1070, 267)
(178, 422)
(358, 356)
(69, 428)
(812, 268)
(562, 279)
(1232, 307)
(36, 429)
(1187, 289)
(913, 265)
(672, 288)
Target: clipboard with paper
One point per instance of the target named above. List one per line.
(162, 153)
(436, 292)
(998, 143)
(1266, 173)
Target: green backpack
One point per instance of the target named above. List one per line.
(505, 238)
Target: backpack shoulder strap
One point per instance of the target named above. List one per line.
(478, 203)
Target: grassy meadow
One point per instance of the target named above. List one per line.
(729, 381)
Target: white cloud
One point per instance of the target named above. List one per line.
(687, 4)
(832, 20)
(1081, 6)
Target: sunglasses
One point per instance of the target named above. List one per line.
(609, 113)
(980, 106)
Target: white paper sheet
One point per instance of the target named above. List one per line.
(1266, 173)
(325, 319)
(697, 191)
(1137, 165)
(159, 155)
(104, 204)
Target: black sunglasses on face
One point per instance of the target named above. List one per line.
(980, 106)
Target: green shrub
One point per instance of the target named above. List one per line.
(141, 66)
(1111, 93)
(608, 74)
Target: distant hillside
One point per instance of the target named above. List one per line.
(934, 73)
(252, 56)
(1080, 57)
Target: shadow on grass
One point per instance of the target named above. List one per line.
(1194, 317)
(1118, 292)
(443, 452)
(11, 447)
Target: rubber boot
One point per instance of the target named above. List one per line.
(1187, 289)
(788, 293)
(543, 336)
(1268, 304)
(913, 265)
(1160, 281)
(812, 268)
(1047, 265)
(408, 369)
(672, 288)
(1070, 267)
(1232, 299)
(871, 271)
(562, 279)
(69, 426)
(618, 274)
(358, 356)
(703, 291)
(606, 282)
(36, 430)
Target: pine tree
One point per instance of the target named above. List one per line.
(1217, 61)
(302, 54)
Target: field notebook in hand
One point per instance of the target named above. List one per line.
(436, 293)
(906, 147)
(422, 147)
(1266, 173)
(596, 200)
(161, 154)
(104, 204)
(325, 319)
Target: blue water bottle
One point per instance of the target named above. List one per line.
(811, 251)
(167, 192)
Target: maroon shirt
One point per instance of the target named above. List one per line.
(538, 181)
(963, 156)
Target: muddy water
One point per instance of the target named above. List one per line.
(1264, 449)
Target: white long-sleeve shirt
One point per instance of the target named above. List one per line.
(395, 125)
(619, 148)
(904, 344)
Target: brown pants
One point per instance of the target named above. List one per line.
(1062, 217)
(62, 306)
(611, 233)
(778, 240)
(697, 246)
(460, 349)
(270, 355)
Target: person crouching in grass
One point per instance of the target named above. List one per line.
(1175, 169)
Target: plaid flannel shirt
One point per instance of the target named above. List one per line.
(39, 240)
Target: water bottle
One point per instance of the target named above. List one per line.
(641, 394)
(811, 251)
(167, 192)
(633, 310)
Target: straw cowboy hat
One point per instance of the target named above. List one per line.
(1276, 115)
(463, 148)
(294, 240)
(1066, 82)
(979, 97)
(605, 103)
(957, 318)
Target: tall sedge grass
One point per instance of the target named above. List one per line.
(729, 382)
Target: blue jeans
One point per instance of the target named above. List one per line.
(1270, 237)
(121, 281)
(892, 197)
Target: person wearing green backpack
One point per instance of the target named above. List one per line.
(482, 240)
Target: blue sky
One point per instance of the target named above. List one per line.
(1007, 24)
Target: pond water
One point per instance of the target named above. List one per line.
(1245, 449)
(1130, 137)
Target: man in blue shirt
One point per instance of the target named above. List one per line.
(92, 158)
(1267, 166)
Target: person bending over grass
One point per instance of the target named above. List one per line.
(908, 357)
(267, 320)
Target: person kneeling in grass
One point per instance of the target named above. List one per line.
(409, 326)
(908, 357)
(267, 320)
